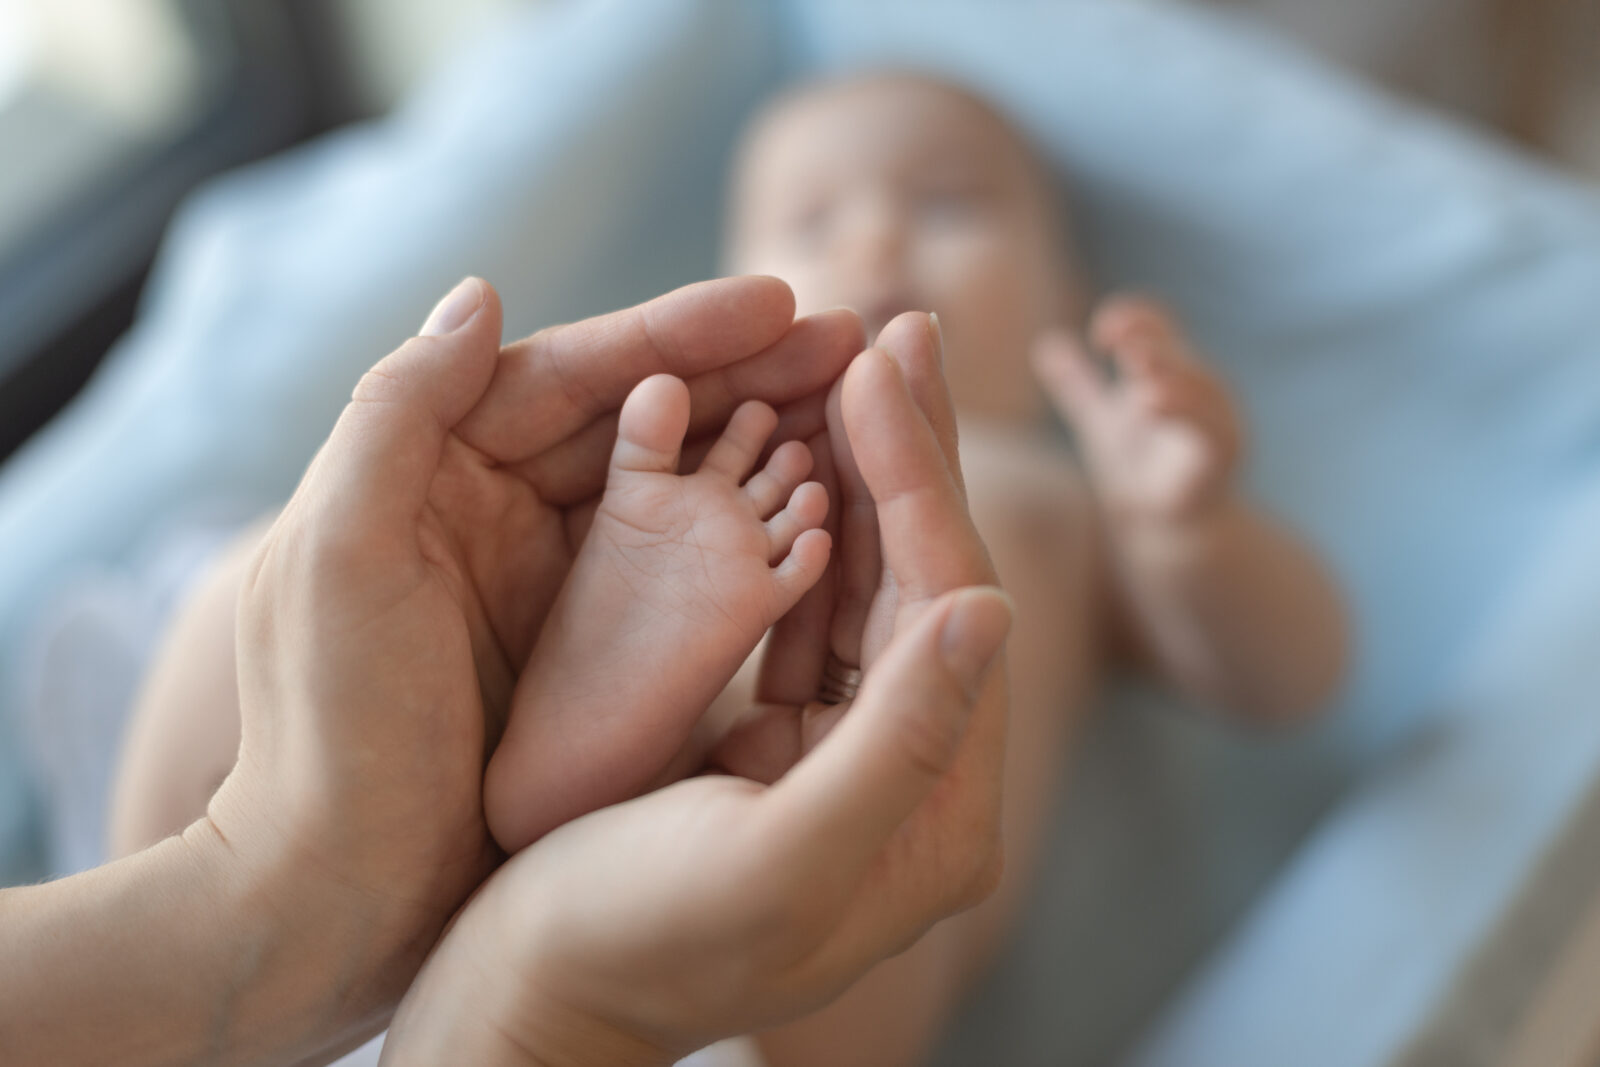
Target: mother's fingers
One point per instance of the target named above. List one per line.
(553, 383)
(381, 457)
(916, 343)
(836, 809)
(804, 360)
(929, 542)
(858, 562)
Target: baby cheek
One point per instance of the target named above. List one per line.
(979, 279)
(813, 283)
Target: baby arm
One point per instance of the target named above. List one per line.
(678, 578)
(183, 736)
(1211, 591)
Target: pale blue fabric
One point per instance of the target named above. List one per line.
(1412, 317)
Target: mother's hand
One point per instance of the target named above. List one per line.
(904, 538)
(391, 605)
(721, 904)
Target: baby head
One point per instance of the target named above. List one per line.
(892, 192)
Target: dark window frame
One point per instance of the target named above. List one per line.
(72, 289)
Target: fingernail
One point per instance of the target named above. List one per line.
(456, 309)
(973, 633)
(937, 331)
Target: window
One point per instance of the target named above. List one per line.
(110, 111)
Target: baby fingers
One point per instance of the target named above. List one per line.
(1126, 321)
(1199, 400)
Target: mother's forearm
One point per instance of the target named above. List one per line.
(174, 955)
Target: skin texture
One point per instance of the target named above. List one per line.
(679, 577)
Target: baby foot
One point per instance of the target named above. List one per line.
(1162, 440)
(678, 578)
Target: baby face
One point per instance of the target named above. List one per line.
(895, 193)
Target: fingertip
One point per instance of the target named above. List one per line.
(456, 308)
(871, 377)
(762, 298)
(840, 327)
(771, 287)
(875, 400)
(911, 335)
(914, 340)
(977, 621)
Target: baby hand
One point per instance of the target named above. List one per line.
(677, 579)
(1161, 441)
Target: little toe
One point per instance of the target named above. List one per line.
(802, 567)
(807, 507)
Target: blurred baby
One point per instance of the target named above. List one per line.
(1136, 548)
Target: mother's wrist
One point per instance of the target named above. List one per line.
(466, 1008)
(295, 972)
(171, 955)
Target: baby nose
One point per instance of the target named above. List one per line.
(876, 240)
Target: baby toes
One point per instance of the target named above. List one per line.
(769, 487)
(740, 445)
(802, 567)
(808, 506)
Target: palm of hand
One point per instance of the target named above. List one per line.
(501, 551)
(461, 593)
(389, 609)
(1162, 440)
(1153, 465)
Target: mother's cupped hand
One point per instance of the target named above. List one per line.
(390, 606)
